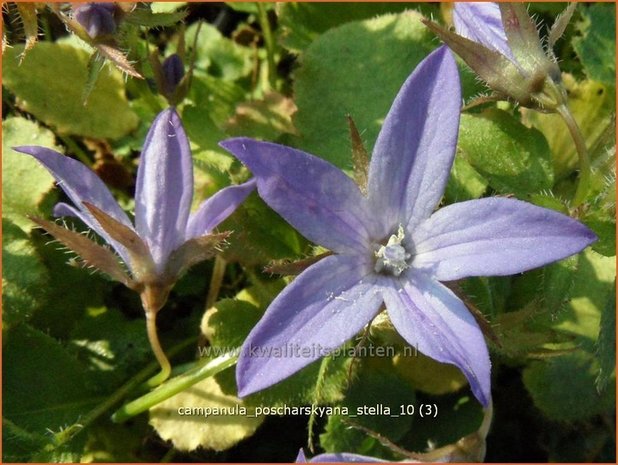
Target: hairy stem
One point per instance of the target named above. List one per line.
(583, 184)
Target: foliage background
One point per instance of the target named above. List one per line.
(290, 73)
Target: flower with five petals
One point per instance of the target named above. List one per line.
(166, 240)
(390, 247)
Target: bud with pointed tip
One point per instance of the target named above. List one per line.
(173, 72)
(98, 19)
(501, 43)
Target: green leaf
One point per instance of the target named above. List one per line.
(465, 183)
(605, 228)
(24, 277)
(368, 391)
(50, 83)
(227, 324)
(302, 23)
(222, 423)
(166, 7)
(260, 235)
(214, 102)
(596, 45)
(144, 16)
(606, 344)
(18, 444)
(44, 388)
(549, 200)
(558, 280)
(563, 388)
(70, 452)
(513, 158)
(338, 436)
(267, 119)
(593, 282)
(522, 335)
(427, 375)
(592, 105)
(332, 80)
(24, 181)
(217, 96)
(70, 292)
(111, 346)
(218, 55)
(249, 7)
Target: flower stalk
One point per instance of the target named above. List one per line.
(165, 239)
(583, 183)
(153, 338)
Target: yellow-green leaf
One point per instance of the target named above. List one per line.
(203, 416)
(50, 82)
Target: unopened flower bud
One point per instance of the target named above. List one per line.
(501, 43)
(173, 72)
(96, 18)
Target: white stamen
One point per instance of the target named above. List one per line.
(392, 257)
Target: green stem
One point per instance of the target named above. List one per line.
(583, 183)
(166, 368)
(176, 371)
(174, 386)
(216, 280)
(269, 41)
(115, 398)
(76, 149)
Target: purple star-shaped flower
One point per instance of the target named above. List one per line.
(167, 239)
(153, 249)
(390, 246)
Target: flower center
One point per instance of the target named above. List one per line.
(392, 257)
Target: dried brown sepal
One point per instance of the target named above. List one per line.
(287, 268)
(480, 100)
(119, 59)
(193, 252)
(360, 157)
(90, 253)
(27, 13)
(561, 23)
(142, 263)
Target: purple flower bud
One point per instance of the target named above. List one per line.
(173, 72)
(97, 18)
